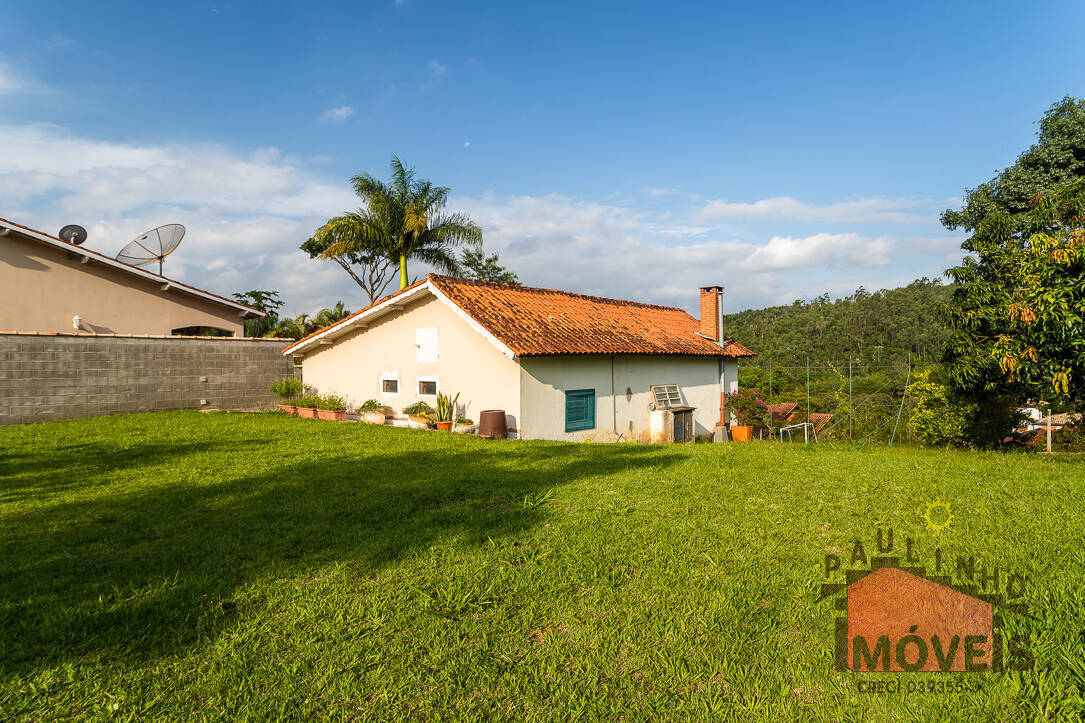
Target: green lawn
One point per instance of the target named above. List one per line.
(186, 565)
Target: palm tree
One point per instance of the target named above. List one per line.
(291, 328)
(327, 317)
(402, 219)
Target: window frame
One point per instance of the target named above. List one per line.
(388, 376)
(586, 424)
(431, 378)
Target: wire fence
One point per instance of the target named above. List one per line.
(825, 395)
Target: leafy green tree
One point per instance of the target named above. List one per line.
(475, 264)
(1057, 156)
(1018, 315)
(266, 301)
(1015, 318)
(403, 219)
(368, 262)
(291, 327)
(871, 327)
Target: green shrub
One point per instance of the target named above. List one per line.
(286, 388)
(332, 402)
(1069, 439)
(308, 400)
(748, 406)
(420, 409)
(936, 418)
(372, 405)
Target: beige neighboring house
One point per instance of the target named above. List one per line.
(562, 366)
(49, 285)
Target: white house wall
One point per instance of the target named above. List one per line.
(466, 363)
(544, 381)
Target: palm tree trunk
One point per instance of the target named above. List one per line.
(402, 271)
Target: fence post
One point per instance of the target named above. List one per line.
(903, 398)
(851, 418)
(807, 389)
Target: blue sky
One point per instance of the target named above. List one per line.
(628, 149)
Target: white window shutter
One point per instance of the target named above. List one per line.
(425, 342)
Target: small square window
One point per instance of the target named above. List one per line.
(427, 388)
(390, 386)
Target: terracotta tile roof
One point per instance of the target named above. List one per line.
(819, 420)
(136, 269)
(530, 321)
(782, 411)
(545, 322)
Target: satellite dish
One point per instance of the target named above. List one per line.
(73, 234)
(155, 245)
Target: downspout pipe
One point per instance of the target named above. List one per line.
(723, 345)
(614, 401)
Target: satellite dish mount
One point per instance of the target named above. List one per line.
(73, 234)
(155, 245)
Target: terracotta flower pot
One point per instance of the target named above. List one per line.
(373, 416)
(464, 428)
(289, 409)
(444, 426)
(331, 415)
(307, 412)
(741, 433)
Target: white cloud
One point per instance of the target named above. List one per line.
(246, 214)
(339, 113)
(616, 251)
(10, 82)
(467, 144)
(659, 191)
(437, 73)
(785, 208)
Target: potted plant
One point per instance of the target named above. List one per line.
(463, 425)
(307, 405)
(331, 407)
(288, 390)
(420, 414)
(373, 412)
(750, 410)
(446, 412)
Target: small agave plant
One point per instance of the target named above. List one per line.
(446, 408)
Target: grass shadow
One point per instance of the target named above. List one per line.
(153, 569)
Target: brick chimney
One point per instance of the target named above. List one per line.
(711, 311)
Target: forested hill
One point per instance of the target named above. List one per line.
(872, 327)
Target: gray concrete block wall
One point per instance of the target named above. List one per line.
(47, 377)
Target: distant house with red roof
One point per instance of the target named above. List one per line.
(561, 365)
